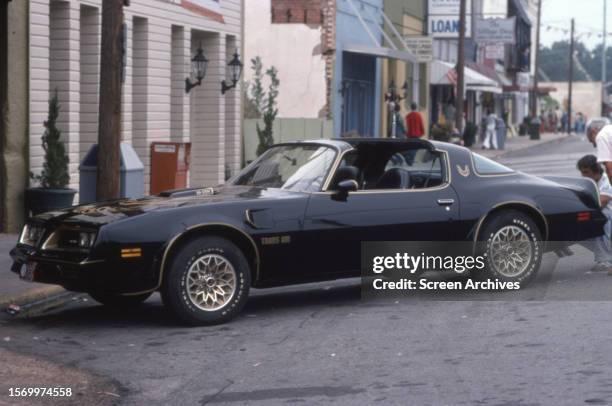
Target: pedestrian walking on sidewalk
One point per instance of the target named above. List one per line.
(397, 123)
(601, 246)
(415, 128)
(490, 141)
(502, 133)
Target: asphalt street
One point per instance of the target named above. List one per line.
(320, 344)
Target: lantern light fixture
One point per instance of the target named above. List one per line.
(199, 64)
(235, 68)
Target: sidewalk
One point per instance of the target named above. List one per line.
(518, 143)
(13, 289)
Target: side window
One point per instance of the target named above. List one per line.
(485, 166)
(413, 169)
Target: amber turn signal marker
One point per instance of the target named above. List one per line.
(131, 252)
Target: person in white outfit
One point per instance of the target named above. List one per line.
(491, 132)
(601, 246)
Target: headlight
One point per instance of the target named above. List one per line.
(31, 234)
(66, 238)
(86, 239)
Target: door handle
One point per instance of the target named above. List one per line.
(446, 202)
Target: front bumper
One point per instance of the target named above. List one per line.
(80, 274)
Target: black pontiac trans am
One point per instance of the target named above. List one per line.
(298, 214)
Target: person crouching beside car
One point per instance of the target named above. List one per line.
(601, 246)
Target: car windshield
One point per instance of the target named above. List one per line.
(300, 167)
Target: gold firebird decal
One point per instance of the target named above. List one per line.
(276, 240)
(465, 172)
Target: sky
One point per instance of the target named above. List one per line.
(557, 15)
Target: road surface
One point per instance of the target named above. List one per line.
(319, 344)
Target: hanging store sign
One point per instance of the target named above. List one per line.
(523, 81)
(443, 20)
(495, 30)
(205, 8)
(495, 51)
(421, 47)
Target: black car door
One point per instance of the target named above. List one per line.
(336, 227)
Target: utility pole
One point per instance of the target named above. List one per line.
(571, 82)
(460, 68)
(535, 93)
(109, 126)
(604, 64)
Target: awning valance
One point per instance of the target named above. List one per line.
(380, 52)
(488, 89)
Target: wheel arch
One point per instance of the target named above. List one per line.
(526, 208)
(239, 237)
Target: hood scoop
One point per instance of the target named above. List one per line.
(194, 192)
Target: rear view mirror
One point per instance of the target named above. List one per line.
(343, 189)
(347, 186)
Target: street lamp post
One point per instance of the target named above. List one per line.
(535, 92)
(460, 68)
(393, 99)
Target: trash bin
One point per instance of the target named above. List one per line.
(524, 127)
(469, 134)
(534, 129)
(131, 174)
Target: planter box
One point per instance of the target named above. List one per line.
(41, 200)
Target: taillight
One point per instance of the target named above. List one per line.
(584, 216)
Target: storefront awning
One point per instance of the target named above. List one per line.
(542, 90)
(444, 73)
(490, 72)
(380, 52)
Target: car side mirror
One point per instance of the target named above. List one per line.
(343, 189)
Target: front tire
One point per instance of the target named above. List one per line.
(207, 281)
(511, 243)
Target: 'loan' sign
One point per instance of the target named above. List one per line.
(443, 20)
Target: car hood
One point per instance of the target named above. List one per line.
(97, 214)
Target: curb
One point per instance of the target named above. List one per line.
(526, 147)
(31, 295)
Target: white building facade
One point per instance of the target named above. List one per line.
(162, 37)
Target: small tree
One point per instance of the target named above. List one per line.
(55, 169)
(264, 103)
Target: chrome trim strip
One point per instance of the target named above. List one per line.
(431, 189)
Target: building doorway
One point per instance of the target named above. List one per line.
(359, 91)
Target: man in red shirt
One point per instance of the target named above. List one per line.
(414, 123)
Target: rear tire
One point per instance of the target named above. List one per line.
(119, 301)
(512, 245)
(207, 282)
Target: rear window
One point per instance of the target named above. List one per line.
(485, 166)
